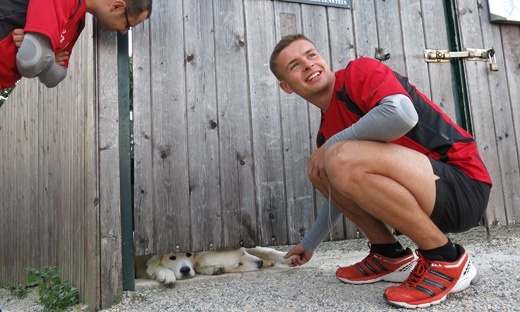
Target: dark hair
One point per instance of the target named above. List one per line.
(136, 7)
(282, 44)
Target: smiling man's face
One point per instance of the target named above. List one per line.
(303, 70)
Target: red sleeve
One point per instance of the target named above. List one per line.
(60, 20)
(49, 17)
(369, 81)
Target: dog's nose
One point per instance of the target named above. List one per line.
(260, 264)
(185, 270)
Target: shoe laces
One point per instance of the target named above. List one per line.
(418, 272)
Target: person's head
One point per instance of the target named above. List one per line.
(119, 15)
(301, 69)
(281, 45)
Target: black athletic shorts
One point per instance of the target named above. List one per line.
(460, 202)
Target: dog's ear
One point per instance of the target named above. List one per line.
(152, 264)
(243, 251)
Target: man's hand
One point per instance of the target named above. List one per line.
(302, 255)
(316, 166)
(61, 57)
(18, 35)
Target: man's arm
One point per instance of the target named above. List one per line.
(392, 118)
(36, 58)
(327, 218)
(18, 34)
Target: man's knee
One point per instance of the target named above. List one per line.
(338, 156)
(34, 56)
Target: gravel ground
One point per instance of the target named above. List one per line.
(314, 287)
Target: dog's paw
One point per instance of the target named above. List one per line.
(165, 276)
(170, 284)
(288, 260)
(219, 270)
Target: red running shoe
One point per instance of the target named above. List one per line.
(431, 281)
(375, 268)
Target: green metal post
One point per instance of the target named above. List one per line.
(124, 162)
(460, 93)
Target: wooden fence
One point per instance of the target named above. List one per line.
(220, 152)
(58, 161)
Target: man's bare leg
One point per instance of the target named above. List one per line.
(375, 184)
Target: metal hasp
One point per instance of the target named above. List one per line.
(441, 56)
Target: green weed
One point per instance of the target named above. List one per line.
(19, 291)
(55, 295)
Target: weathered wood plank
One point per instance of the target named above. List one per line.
(510, 35)
(341, 37)
(296, 139)
(390, 34)
(266, 127)
(413, 33)
(110, 217)
(237, 189)
(365, 27)
(5, 164)
(481, 112)
(89, 245)
(19, 177)
(18, 124)
(203, 126)
(43, 177)
(169, 128)
(144, 218)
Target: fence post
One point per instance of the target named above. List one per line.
(123, 69)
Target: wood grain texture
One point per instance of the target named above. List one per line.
(49, 175)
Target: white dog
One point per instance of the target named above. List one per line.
(168, 268)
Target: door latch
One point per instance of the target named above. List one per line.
(441, 56)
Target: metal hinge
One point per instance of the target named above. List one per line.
(484, 55)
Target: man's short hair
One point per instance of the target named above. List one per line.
(282, 44)
(136, 7)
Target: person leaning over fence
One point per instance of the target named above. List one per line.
(37, 36)
(387, 155)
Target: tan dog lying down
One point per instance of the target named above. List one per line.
(168, 268)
